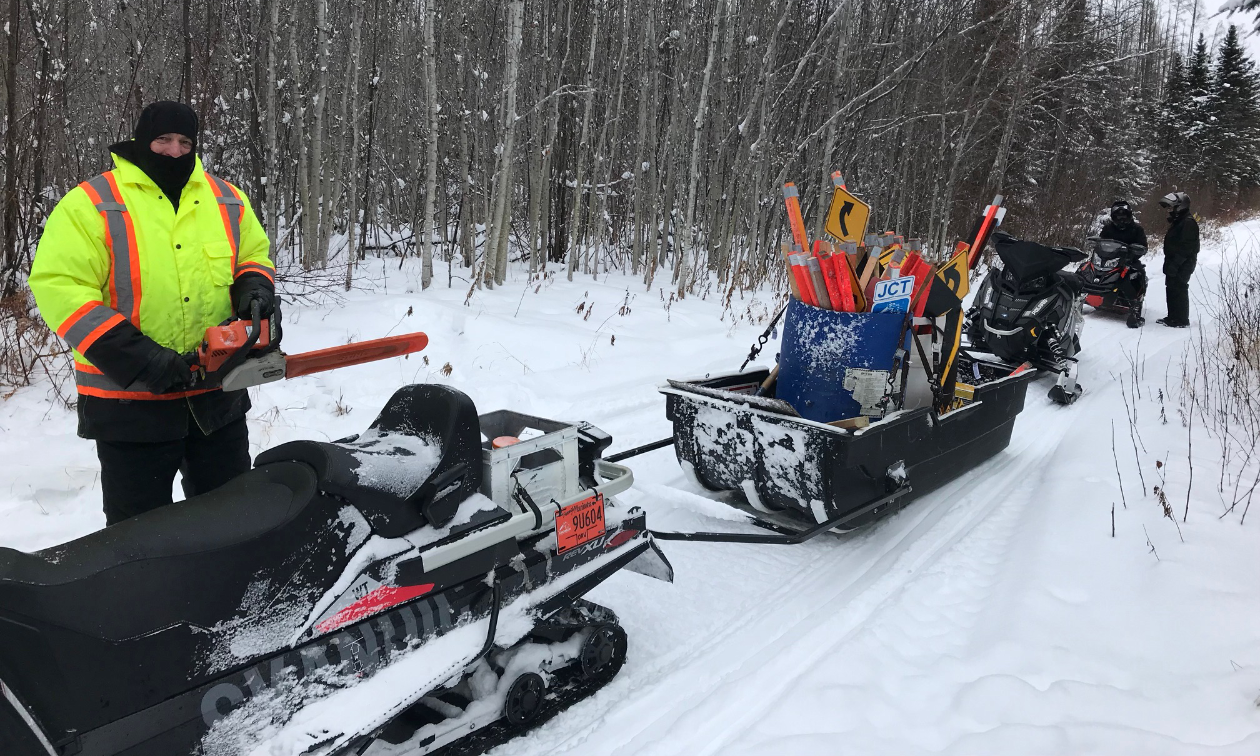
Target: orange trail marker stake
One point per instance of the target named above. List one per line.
(846, 281)
(792, 198)
(808, 295)
(793, 278)
(834, 292)
(991, 221)
(820, 284)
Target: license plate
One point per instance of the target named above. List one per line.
(579, 523)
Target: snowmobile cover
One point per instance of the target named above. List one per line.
(1028, 260)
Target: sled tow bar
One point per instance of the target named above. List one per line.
(636, 451)
(784, 536)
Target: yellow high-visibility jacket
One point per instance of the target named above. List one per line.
(116, 264)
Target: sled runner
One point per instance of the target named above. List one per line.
(412, 585)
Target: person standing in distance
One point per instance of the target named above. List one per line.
(1181, 252)
(131, 269)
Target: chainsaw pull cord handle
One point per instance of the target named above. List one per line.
(240, 354)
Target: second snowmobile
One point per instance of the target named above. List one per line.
(1114, 278)
(417, 587)
(1028, 310)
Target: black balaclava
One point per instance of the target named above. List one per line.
(170, 174)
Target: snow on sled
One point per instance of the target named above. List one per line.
(804, 477)
(412, 589)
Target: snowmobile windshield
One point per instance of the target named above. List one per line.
(1027, 260)
(1108, 249)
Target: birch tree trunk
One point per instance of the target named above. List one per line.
(641, 166)
(430, 176)
(503, 216)
(356, 31)
(687, 255)
(302, 210)
(315, 211)
(270, 116)
(579, 191)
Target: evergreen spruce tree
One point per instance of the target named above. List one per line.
(1196, 129)
(1171, 117)
(1234, 151)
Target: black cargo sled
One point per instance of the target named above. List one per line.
(414, 585)
(803, 478)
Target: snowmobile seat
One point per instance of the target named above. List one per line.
(418, 460)
(114, 583)
(234, 513)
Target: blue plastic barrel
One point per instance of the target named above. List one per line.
(821, 348)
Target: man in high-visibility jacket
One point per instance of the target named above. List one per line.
(132, 268)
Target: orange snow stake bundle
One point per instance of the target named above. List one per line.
(793, 277)
(834, 293)
(801, 270)
(846, 282)
(819, 283)
(792, 198)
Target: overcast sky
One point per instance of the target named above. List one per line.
(1244, 21)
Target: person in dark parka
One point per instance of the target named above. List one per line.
(1122, 228)
(1181, 252)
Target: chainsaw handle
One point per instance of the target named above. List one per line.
(240, 354)
(200, 375)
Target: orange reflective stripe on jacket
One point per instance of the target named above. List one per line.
(120, 238)
(87, 324)
(232, 207)
(92, 382)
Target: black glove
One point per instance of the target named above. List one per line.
(251, 288)
(166, 371)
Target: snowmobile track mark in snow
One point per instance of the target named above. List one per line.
(821, 592)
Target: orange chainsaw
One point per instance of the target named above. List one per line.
(244, 353)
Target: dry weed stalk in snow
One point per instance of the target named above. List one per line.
(1220, 379)
(28, 349)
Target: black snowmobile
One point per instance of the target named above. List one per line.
(1114, 278)
(1028, 310)
(413, 585)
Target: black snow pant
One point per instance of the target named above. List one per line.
(1177, 272)
(137, 477)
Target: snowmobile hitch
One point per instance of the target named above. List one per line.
(783, 535)
(636, 451)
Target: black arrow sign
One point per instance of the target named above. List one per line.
(845, 209)
(952, 278)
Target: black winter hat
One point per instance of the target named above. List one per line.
(166, 117)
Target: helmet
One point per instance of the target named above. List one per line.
(1121, 213)
(1177, 202)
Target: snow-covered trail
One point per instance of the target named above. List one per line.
(996, 615)
(899, 639)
